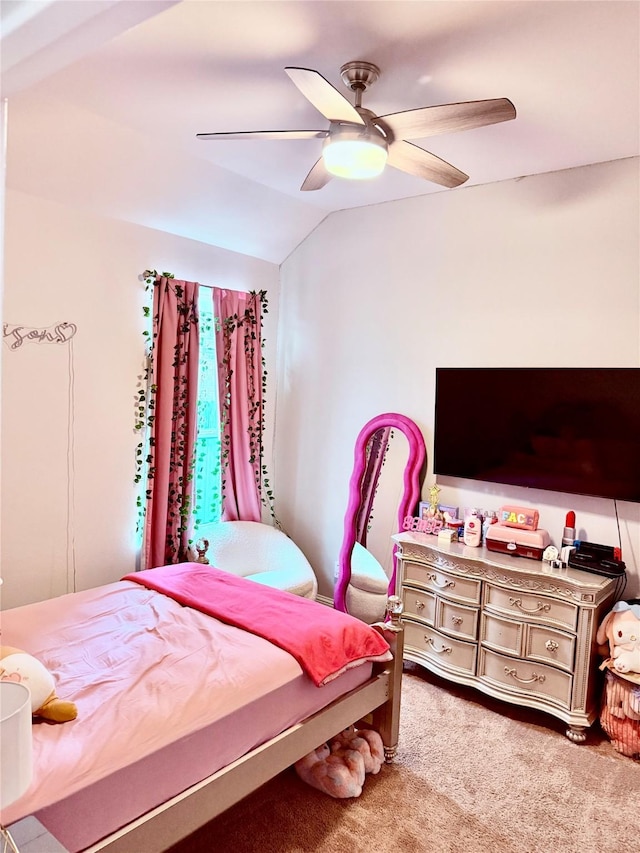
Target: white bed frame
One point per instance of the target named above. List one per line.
(376, 703)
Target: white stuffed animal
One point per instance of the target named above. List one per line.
(17, 665)
(621, 628)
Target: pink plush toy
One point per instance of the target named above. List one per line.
(365, 741)
(339, 776)
(621, 628)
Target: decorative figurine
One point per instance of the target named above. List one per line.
(201, 548)
(434, 510)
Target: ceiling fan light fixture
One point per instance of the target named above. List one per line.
(358, 142)
(356, 159)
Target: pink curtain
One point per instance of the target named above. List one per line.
(173, 391)
(240, 377)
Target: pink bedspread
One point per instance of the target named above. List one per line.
(325, 642)
(166, 695)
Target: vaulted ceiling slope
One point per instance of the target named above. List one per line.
(106, 99)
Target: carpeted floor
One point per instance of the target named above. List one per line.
(472, 775)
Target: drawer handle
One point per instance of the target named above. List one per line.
(534, 677)
(434, 579)
(457, 620)
(551, 646)
(539, 608)
(445, 650)
(419, 604)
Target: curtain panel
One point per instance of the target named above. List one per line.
(240, 380)
(173, 391)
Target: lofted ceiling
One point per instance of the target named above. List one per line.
(106, 98)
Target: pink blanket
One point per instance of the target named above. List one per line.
(325, 642)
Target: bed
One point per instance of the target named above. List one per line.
(194, 687)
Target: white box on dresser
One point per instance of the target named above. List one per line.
(511, 627)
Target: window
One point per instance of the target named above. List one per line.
(207, 480)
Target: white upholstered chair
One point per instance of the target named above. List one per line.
(368, 590)
(262, 553)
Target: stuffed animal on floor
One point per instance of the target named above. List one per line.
(16, 665)
(621, 628)
(339, 776)
(365, 741)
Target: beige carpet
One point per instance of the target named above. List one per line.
(472, 775)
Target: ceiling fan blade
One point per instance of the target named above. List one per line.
(267, 134)
(317, 177)
(324, 97)
(448, 118)
(416, 161)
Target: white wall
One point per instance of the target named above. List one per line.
(68, 499)
(542, 270)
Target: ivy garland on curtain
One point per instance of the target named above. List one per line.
(171, 413)
(166, 412)
(242, 380)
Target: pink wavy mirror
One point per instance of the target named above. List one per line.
(369, 455)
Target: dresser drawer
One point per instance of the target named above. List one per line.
(445, 651)
(525, 677)
(501, 634)
(419, 604)
(457, 619)
(533, 642)
(529, 605)
(550, 646)
(466, 590)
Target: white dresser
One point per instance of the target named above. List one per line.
(509, 626)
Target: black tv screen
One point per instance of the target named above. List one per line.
(566, 429)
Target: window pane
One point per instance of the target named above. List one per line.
(207, 497)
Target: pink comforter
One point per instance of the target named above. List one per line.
(166, 696)
(325, 642)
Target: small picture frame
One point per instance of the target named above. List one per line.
(451, 511)
(423, 509)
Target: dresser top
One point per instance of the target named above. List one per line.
(522, 565)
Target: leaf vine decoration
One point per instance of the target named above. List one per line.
(250, 323)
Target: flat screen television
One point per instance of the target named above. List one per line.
(568, 429)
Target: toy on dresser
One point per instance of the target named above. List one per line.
(619, 632)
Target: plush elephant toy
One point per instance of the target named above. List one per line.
(621, 628)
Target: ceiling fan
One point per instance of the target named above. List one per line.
(358, 144)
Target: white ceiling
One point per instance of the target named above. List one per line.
(105, 100)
